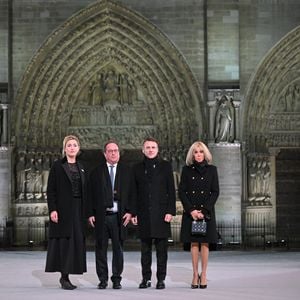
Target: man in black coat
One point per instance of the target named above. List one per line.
(153, 206)
(108, 212)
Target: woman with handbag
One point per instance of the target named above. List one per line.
(198, 192)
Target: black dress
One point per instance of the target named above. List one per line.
(68, 254)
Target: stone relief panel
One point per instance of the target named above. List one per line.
(284, 118)
(259, 177)
(30, 209)
(116, 109)
(74, 62)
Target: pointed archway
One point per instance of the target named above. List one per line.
(101, 36)
(271, 129)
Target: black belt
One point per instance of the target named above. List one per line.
(110, 213)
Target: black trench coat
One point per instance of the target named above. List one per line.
(60, 198)
(199, 189)
(153, 200)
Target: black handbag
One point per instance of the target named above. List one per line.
(199, 227)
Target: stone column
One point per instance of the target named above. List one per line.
(236, 105)
(4, 133)
(4, 185)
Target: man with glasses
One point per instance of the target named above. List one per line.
(108, 212)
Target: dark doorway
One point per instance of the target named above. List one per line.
(288, 196)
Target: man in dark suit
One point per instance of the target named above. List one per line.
(153, 206)
(108, 212)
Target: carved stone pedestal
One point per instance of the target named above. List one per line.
(227, 158)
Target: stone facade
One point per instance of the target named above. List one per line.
(225, 72)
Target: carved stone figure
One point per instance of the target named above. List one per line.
(223, 121)
(96, 91)
(111, 91)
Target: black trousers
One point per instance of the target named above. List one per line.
(111, 231)
(161, 246)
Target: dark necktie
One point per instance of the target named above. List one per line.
(111, 175)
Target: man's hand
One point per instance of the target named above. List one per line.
(134, 220)
(168, 218)
(126, 219)
(92, 221)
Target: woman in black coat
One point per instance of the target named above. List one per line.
(66, 196)
(198, 192)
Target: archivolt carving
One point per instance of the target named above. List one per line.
(273, 97)
(61, 78)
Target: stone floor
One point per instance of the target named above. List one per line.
(234, 275)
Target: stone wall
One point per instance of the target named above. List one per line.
(3, 41)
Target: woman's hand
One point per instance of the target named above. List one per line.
(54, 216)
(197, 214)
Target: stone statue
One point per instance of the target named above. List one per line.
(111, 91)
(223, 121)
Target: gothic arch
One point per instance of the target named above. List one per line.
(272, 103)
(101, 35)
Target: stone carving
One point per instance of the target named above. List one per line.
(32, 171)
(101, 71)
(259, 175)
(224, 121)
(289, 101)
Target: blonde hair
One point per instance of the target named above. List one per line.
(69, 138)
(190, 155)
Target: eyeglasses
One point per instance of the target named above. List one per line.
(113, 151)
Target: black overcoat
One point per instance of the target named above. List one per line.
(152, 200)
(60, 198)
(198, 189)
(100, 193)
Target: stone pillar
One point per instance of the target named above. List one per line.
(236, 105)
(4, 184)
(211, 108)
(4, 132)
(227, 158)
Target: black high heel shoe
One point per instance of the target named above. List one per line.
(202, 286)
(195, 286)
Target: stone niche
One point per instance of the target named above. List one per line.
(227, 158)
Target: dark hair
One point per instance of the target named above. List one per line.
(151, 139)
(112, 141)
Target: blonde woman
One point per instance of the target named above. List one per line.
(66, 199)
(198, 192)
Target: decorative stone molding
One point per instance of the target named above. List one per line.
(103, 36)
(272, 102)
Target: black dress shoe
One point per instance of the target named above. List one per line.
(102, 285)
(117, 285)
(145, 284)
(66, 284)
(160, 285)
